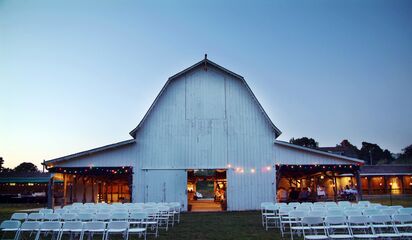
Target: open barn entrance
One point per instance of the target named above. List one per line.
(312, 183)
(206, 190)
(91, 184)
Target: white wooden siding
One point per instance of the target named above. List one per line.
(207, 120)
(122, 156)
(287, 155)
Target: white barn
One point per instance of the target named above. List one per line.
(204, 118)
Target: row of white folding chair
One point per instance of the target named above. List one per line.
(281, 216)
(79, 216)
(59, 228)
(384, 226)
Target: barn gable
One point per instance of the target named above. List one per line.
(205, 64)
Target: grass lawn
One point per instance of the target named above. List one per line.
(226, 225)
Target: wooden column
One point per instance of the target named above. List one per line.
(50, 195)
(358, 184)
(111, 192)
(131, 186)
(106, 199)
(84, 190)
(93, 200)
(369, 186)
(402, 184)
(385, 184)
(74, 188)
(335, 189)
(64, 190)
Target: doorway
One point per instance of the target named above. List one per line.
(206, 190)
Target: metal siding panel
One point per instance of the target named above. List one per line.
(123, 156)
(166, 186)
(286, 155)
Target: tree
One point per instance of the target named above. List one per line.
(406, 155)
(349, 149)
(26, 167)
(407, 152)
(371, 153)
(305, 142)
(1, 163)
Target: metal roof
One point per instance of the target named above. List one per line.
(286, 144)
(91, 151)
(205, 62)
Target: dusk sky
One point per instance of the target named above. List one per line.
(75, 75)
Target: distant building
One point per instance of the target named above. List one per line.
(24, 187)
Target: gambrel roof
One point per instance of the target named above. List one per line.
(206, 62)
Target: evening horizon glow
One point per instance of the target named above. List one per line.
(78, 75)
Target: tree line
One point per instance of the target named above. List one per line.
(371, 153)
(23, 167)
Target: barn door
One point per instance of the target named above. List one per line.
(166, 186)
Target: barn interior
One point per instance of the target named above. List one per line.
(323, 182)
(206, 190)
(91, 184)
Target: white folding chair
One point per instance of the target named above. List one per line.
(35, 217)
(49, 227)
(407, 210)
(163, 217)
(151, 222)
(403, 225)
(28, 227)
(118, 227)
(337, 227)
(85, 217)
(335, 213)
(361, 228)
(46, 211)
(137, 224)
(72, 227)
(314, 228)
(69, 217)
(383, 226)
(119, 216)
(51, 217)
(92, 228)
(60, 211)
(19, 216)
(388, 211)
(9, 226)
(317, 213)
(102, 217)
(352, 213)
(295, 224)
(270, 215)
(371, 212)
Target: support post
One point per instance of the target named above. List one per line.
(106, 199)
(369, 186)
(385, 184)
(84, 190)
(93, 190)
(74, 188)
(64, 190)
(131, 186)
(50, 195)
(358, 184)
(402, 184)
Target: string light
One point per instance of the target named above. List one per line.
(252, 170)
